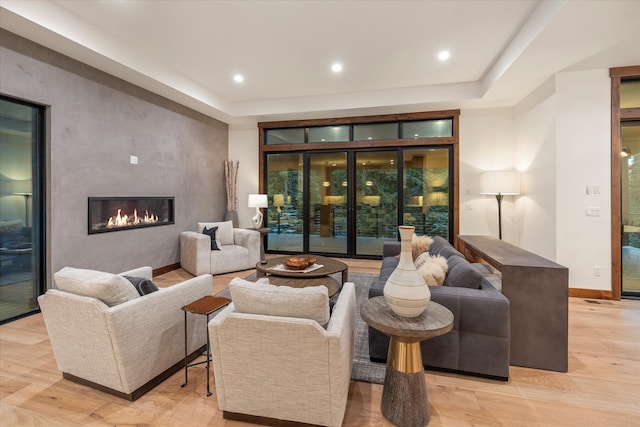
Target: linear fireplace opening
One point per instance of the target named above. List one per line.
(125, 213)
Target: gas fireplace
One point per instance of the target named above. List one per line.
(125, 213)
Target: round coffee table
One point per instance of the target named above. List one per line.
(404, 394)
(297, 279)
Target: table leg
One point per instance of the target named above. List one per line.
(404, 396)
(345, 275)
(185, 350)
(208, 355)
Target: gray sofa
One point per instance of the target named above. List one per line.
(480, 339)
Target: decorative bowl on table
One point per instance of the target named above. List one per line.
(298, 263)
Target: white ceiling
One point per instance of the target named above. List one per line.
(189, 51)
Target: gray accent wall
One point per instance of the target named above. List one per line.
(95, 123)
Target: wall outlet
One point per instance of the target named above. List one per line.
(596, 271)
(591, 211)
(133, 160)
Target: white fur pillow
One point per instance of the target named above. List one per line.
(419, 244)
(433, 268)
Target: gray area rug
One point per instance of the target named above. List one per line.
(363, 369)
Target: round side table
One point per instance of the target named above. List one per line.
(404, 395)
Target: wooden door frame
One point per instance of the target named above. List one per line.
(617, 116)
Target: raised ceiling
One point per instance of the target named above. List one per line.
(189, 51)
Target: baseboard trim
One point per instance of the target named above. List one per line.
(254, 419)
(590, 293)
(165, 269)
(136, 394)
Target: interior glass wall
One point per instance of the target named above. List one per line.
(630, 186)
(328, 198)
(20, 208)
(285, 194)
(376, 186)
(426, 174)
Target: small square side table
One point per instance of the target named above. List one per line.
(205, 305)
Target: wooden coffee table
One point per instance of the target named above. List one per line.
(296, 279)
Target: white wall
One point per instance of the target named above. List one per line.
(536, 160)
(487, 142)
(558, 138)
(243, 146)
(583, 133)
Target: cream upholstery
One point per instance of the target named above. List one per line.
(197, 258)
(123, 347)
(285, 368)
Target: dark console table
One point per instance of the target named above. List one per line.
(538, 293)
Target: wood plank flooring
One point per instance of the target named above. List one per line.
(600, 389)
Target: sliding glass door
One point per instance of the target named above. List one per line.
(347, 202)
(630, 191)
(21, 201)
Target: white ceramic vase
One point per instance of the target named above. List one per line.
(406, 291)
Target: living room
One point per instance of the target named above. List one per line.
(98, 121)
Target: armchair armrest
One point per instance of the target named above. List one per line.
(148, 332)
(249, 239)
(145, 272)
(195, 252)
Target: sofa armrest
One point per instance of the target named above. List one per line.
(481, 311)
(195, 252)
(249, 239)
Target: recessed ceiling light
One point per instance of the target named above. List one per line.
(444, 55)
(238, 78)
(336, 68)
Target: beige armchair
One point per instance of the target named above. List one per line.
(274, 360)
(237, 249)
(106, 336)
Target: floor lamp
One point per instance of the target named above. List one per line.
(500, 184)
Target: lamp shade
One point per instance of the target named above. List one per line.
(500, 182)
(258, 201)
(278, 200)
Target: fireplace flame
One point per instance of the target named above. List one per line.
(121, 220)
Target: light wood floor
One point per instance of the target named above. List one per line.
(602, 387)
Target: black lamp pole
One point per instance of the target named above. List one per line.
(499, 199)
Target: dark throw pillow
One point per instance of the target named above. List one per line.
(211, 232)
(142, 285)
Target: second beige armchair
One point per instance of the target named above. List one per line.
(235, 249)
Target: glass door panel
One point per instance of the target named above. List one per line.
(376, 201)
(426, 191)
(20, 269)
(630, 174)
(328, 202)
(285, 194)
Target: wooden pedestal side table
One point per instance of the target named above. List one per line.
(205, 305)
(404, 396)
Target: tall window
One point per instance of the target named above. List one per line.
(21, 202)
(342, 186)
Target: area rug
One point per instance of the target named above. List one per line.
(363, 369)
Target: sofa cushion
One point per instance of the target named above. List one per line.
(462, 274)
(143, 285)
(441, 246)
(112, 289)
(211, 232)
(263, 298)
(224, 233)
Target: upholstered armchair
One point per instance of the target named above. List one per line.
(278, 354)
(107, 336)
(224, 250)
